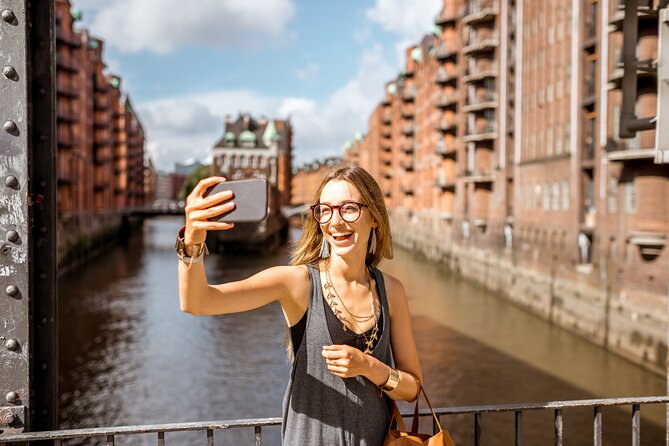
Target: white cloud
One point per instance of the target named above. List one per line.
(309, 72)
(408, 18)
(163, 26)
(188, 126)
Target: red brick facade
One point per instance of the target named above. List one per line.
(501, 135)
(100, 155)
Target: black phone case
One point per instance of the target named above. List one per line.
(250, 197)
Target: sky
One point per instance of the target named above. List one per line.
(186, 65)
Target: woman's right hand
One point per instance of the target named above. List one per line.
(200, 209)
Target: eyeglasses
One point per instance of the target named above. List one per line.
(349, 211)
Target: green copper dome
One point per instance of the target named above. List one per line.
(392, 88)
(247, 136)
(76, 13)
(436, 30)
(417, 54)
(229, 137)
(358, 136)
(115, 82)
(93, 44)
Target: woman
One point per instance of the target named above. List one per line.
(349, 323)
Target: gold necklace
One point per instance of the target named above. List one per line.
(330, 298)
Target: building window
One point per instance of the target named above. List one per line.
(630, 197)
(263, 162)
(549, 93)
(555, 196)
(546, 197)
(549, 140)
(537, 196)
(565, 195)
(612, 195)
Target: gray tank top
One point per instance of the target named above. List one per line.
(320, 408)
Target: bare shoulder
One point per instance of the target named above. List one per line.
(294, 279)
(397, 297)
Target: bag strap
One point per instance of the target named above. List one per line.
(414, 424)
(397, 416)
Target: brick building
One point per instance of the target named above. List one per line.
(100, 141)
(307, 178)
(501, 139)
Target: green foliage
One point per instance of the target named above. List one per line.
(194, 178)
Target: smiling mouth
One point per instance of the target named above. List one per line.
(341, 236)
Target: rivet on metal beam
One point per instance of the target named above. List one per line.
(12, 344)
(10, 127)
(8, 16)
(12, 236)
(12, 290)
(12, 397)
(10, 73)
(11, 181)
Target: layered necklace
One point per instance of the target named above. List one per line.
(331, 296)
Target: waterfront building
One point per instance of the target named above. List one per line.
(307, 178)
(500, 141)
(100, 161)
(257, 148)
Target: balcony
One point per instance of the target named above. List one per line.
(481, 102)
(387, 174)
(407, 112)
(66, 63)
(445, 76)
(386, 118)
(71, 41)
(407, 188)
(408, 129)
(445, 100)
(446, 125)
(448, 15)
(387, 161)
(487, 133)
(650, 243)
(479, 74)
(444, 51)
(67, 116)
(407, 164)
(68, 92)
(644, 68)
(479, 46)
(444, 182)
(618, 151)
(476, 176)
(477, 12)
(446, 150)
(409, 94)
(407, 146)
(385, 147)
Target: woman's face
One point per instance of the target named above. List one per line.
(346, 238)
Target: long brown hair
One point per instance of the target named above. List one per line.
(307, 249)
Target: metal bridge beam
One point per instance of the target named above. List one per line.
(28, 268)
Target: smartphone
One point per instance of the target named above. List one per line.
(250, 197)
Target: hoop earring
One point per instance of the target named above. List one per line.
(325, 249)
(372, 243)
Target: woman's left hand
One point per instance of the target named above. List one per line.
(345, 361)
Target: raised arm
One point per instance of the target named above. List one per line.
(283, 283)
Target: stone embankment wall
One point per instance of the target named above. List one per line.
(83, 236)
(637, 332)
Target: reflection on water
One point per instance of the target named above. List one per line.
(128, 355)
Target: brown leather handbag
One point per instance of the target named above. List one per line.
(400, 436)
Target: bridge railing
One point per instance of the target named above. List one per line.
(110, 433)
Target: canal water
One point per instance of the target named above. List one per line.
(128, 355)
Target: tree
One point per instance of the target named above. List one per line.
(194, 178)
